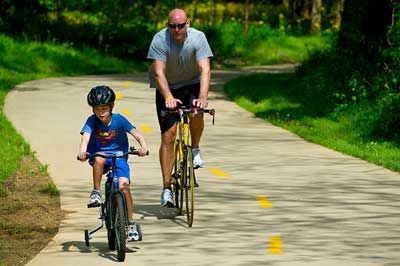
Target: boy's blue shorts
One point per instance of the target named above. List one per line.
(122, 167)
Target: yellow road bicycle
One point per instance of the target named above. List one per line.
(183, 180)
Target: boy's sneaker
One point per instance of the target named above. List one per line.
(167, 198)
(94, 199)
(198, 161)
(134, 232)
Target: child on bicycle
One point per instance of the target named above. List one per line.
(106, 132)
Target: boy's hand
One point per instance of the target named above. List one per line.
(82, 156)
(143, 152)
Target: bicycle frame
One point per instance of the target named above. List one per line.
(183, 178)
(112, 192)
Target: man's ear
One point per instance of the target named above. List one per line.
(112, 106)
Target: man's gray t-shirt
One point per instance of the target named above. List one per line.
(181, 59)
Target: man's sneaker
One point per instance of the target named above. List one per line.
(134, 232)
(167, 198)
(94, 199)
(198, 161)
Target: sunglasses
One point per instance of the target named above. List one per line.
(179, 26)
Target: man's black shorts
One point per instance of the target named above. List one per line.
(186, 94)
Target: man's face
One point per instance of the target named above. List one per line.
(177, 25)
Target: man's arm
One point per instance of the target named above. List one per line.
(159, 68)
(205, 80)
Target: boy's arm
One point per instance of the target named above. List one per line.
(83, 146)
(139, 138)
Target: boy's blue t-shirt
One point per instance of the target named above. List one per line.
(107, 138)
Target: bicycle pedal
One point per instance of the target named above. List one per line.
(93, 205)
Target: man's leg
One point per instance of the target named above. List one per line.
(167, 155)
(196, 129)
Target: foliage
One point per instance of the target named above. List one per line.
(346, 97)
(125, 28)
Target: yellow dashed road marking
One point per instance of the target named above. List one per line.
(146, 129)
(219, 173)
(126, 112)
(275, 245)
(264, 202)
(128, 83)
(118, 96)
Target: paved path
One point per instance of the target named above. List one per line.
(267, 197)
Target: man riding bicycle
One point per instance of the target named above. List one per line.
(181, 74)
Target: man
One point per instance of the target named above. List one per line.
(181, 74)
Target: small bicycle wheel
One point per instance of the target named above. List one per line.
(87, 237)
(119, 227)
(178, 175)
(189, 186)
(111, 239)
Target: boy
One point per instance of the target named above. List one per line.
(107, 132)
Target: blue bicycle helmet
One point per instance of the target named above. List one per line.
(100, 95)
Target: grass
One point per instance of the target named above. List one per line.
(22, 61)
(282, 48)
(279, 99)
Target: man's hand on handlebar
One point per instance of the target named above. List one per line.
(200, 103)
(172, 103)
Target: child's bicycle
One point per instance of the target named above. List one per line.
(183, 180)
(113, 211)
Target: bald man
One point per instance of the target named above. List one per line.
(181, 74)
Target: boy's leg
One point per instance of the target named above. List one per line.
(98, 170)
(125, 187)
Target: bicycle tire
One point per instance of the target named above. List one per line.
(111, 239)
(87, 237)
(189, 185)
(119, 227)
(178, 186)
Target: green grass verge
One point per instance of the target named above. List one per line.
(279, 99)
(23, 61)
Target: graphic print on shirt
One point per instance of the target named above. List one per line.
(104, 137)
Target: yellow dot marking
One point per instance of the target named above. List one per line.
(118, 96)
(128, 83)
(126, 112)
(219, 173)
(146, 129)
(264, 202)
(275, 245)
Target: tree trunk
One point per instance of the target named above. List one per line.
(338, 14)
(316, 16)
(246, 19)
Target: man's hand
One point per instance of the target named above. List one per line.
(172, 103)
(200, 103)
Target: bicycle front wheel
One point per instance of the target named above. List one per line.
(189, 186)
(119, 226)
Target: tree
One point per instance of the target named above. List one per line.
(316, 16)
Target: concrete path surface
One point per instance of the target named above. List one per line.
(266, 196)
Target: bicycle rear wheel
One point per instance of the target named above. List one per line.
(119, 226)
(178, 185)
(189, 186)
